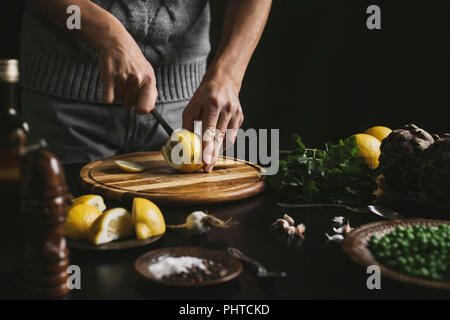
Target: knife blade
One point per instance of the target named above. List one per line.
(162, 122)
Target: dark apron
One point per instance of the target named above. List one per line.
(79, 132)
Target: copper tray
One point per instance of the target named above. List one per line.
(233, 265)
(355, 245)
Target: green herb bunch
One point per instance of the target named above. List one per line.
(333, 175)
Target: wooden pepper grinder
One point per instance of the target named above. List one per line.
(44, 200)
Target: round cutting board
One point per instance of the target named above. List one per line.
(230, 180)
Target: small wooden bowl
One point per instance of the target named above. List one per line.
(356, 247)
(114, 245)
(233, 265)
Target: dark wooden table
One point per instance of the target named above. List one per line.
(316, 269)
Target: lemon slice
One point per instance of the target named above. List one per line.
(91, 199)
(112, 225)
(129, 166)
(187, 147)
(79, 219)
(147, 218)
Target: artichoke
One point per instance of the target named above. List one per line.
(401, 154)
(435, 170)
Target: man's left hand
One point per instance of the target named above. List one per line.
(216, 104)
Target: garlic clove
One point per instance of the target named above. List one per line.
(289, 220)
(339, 230)
(336, 237)
(281, 223)
(347, 228)
(300, 230)
(290, 230)
(340, 220)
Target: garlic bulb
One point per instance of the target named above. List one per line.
(199, 222)
(194, 222)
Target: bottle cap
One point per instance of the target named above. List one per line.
(9, 70)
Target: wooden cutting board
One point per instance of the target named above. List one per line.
(230, 180)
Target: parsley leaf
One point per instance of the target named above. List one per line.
(333, 175)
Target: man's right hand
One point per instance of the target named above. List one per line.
(126, 74)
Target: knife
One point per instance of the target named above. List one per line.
(162, 122)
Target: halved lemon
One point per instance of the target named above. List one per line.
(112, 225)
(79, 220)
(147, 218)
(379, 132)
(91, 199)
(182, 151)
(369, 149)
(129, 166)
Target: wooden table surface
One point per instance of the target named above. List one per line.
(316, 269)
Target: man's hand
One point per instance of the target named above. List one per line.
(126, 74)
(216, 104)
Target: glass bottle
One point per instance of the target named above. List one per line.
(12, 129)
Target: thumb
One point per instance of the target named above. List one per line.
(108, 92)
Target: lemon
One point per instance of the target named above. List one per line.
(112, 225)
(129, 166)
(369, 149)
(187, 147)
(79, 220)
(91, 199)
(379, 132)
(147, 218)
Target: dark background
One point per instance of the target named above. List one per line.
(320, 72)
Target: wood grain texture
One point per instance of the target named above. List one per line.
(230, 180)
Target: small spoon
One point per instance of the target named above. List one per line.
(379, 211)
(385, 213)
(261, 271)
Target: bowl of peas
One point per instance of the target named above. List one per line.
(415, 251)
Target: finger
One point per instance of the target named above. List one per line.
(120, 84)
(131, 92)
(146, 98)
(210, 116)
(108, 92)
(190, 114)
(222, 125)
(231, 134)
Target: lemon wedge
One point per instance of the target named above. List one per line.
(129, 166)
(91, 199)
(79, 220)
(112, 225)
(148, 219)
(182, 151)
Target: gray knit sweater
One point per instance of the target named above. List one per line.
(172, 34)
